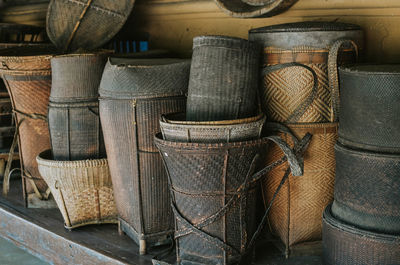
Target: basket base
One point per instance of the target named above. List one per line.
(145, 241)
(313, 248)
(34, 202)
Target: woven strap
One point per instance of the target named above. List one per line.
(295, 167)
(333, 75)
(302, 108)
(24, 173)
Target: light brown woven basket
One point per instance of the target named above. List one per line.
(27, 58)
(82, 189)
(295, 216)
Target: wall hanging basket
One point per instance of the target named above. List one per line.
(347, 245)
(82, 189)
(72, 25)
(367, 190)
(223, 79)
(368, 121)
(174, 127)
(300, 82)
(133, 95)
(254, 8)
(296, 214)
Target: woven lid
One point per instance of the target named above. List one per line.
(371, 69)
(308, 33)
(128, 78)
(224, 41)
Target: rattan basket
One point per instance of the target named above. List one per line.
(174, 127)
(82, 189)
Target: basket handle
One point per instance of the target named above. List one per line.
(301, 109)
(333, 75)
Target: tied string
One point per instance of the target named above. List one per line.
(299, 150)
(24, 173)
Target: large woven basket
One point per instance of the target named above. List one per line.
(369, 121)
(367, 189)
(296, 215)
(27, 58)
(174, 127)
(82, 189)
(75, 131)
(348, 245)
(300, 75)
(223, 79)
(133, 95)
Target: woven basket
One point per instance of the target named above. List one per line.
(72, 25)
(300, 74)
(174, 127)
(27, 58)
(82, 189)
(75, 131)
(133, 95)
(367, 190)
(223, 79)
(296, 215)
(347, 245)
(254, 8)
(369, 122)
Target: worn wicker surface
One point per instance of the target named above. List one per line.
(74, 24)
(369, 121)
(254, 8)
(367, 190)
(82, 189)
(212, 132)
(27, 58)
(75, 131)
(223, 79)
(29, 92)
(203, 179)
(133, 95)
(76, 77)
(347, 245)
(296, 214)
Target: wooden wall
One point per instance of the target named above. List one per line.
(173, 23)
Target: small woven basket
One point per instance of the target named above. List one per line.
(82, 189)
(174, 127)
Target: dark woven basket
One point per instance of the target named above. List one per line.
(347, 245)
(367, 190)
(174, 127)
(300, 83)
(254, 8)
(76, 77)
(203, 179)
(75, 131)
(223, 79)
(369, 116)
(72, 25)
(133, 95)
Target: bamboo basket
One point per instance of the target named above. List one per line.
(82, 189)
(296, 215)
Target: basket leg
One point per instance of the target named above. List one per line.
(142, 247)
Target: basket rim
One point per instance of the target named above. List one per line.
(88, 163)
(357, 69)
(141, 62)
(83, 54)
(25, 72)
(365, 153)
(222, 123)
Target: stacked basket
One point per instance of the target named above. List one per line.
(212, 152)
(300, 92)
(362, 226)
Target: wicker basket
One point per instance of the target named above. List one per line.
(300, 74)
(296, 215)
(174, 127)
(348, 245)
(82, 189)
(27, 58)
(223, 79)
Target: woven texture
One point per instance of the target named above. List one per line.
(133, 96)
(27, 58)
(295, 217)
(347, 245)
(75, 131)
(200, 132)
(367, 190)
(17, 33)
(204, 178)
(368, 121)
(88, 24)
(82, 190)
(223, 79)
(254, 8)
